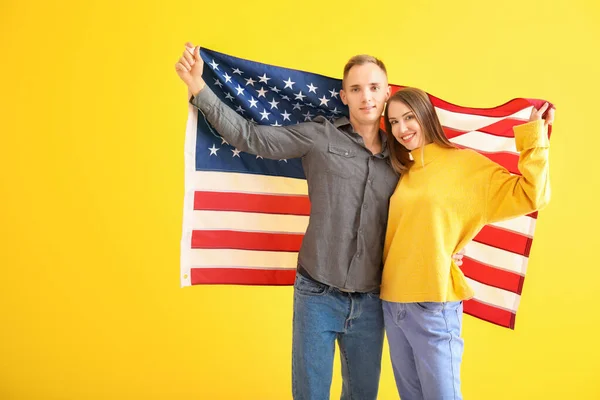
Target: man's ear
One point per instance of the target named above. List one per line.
(343, 97)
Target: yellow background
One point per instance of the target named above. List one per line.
(92, 128)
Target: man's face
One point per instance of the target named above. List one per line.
(365, 92)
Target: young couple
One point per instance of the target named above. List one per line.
(378, 250)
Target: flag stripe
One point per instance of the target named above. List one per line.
(262, 241)
(502, 128)
(240, 221)
(468, 122)
(231, 258)
(246, 183)
(483, 142)
(489, 313)
(242, 276)
(497, 258)
(524, 225)
(250, 202)
(505, 240)
(491, 276)
(495, 296)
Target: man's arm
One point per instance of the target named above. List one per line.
(267, 141)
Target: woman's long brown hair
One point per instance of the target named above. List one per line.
(418, 102)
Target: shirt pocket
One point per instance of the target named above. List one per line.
(340, 160)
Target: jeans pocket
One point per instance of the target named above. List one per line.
(431, 306)
(309, 287)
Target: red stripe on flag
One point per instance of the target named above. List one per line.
(241, 276)
(240, 240)
(248, 202)
(504, 239)
(491, 276)
(489, 313)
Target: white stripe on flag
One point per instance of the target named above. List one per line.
(247, 183)
(485, 142)
(469, 122)
(218, 258)
(524, 225)
(497, 258)
(246, 221)
(496, 297)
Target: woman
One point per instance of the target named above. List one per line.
(444, 197)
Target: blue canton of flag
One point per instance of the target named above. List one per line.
(265, 95)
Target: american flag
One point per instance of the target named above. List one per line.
(244, 215)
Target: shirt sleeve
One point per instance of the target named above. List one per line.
(509, 195)
(267, 141)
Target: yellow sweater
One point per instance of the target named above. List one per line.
(443, 201)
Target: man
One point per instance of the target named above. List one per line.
(350, 181)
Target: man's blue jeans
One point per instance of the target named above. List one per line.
(323, 314)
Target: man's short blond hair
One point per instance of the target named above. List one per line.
(362, 59)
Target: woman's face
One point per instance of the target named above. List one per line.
(405, 127)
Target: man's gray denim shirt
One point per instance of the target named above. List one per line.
(349, 190)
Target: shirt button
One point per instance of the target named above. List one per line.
(360, 231)
(346, 153)
(365, 206)
(358, 254)
(370, 181)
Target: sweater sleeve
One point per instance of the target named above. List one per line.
(508, 195)
(267, 141)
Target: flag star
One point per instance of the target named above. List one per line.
(286, 115)
(238, 71)
(253, 102)
(265, 115)
(276, 124)
(262, 92)
(283, 159)
(240, 109)
(289, 83)
(297, 105)
(335, 111)
(236, 152)
(241, 89)
(223, 141)
(312, 88)
(284, 97)
(300, 96)
(218, 83)
(214, 65)
(229, 96)
(252, 121)
(213, 150)
(308, 116)
(274, 103)
(227, 78)
(274, 88)
(324, 100)
(257, 157)
(333, 93)
(264, 79)
(311, 105)
(250, 81)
